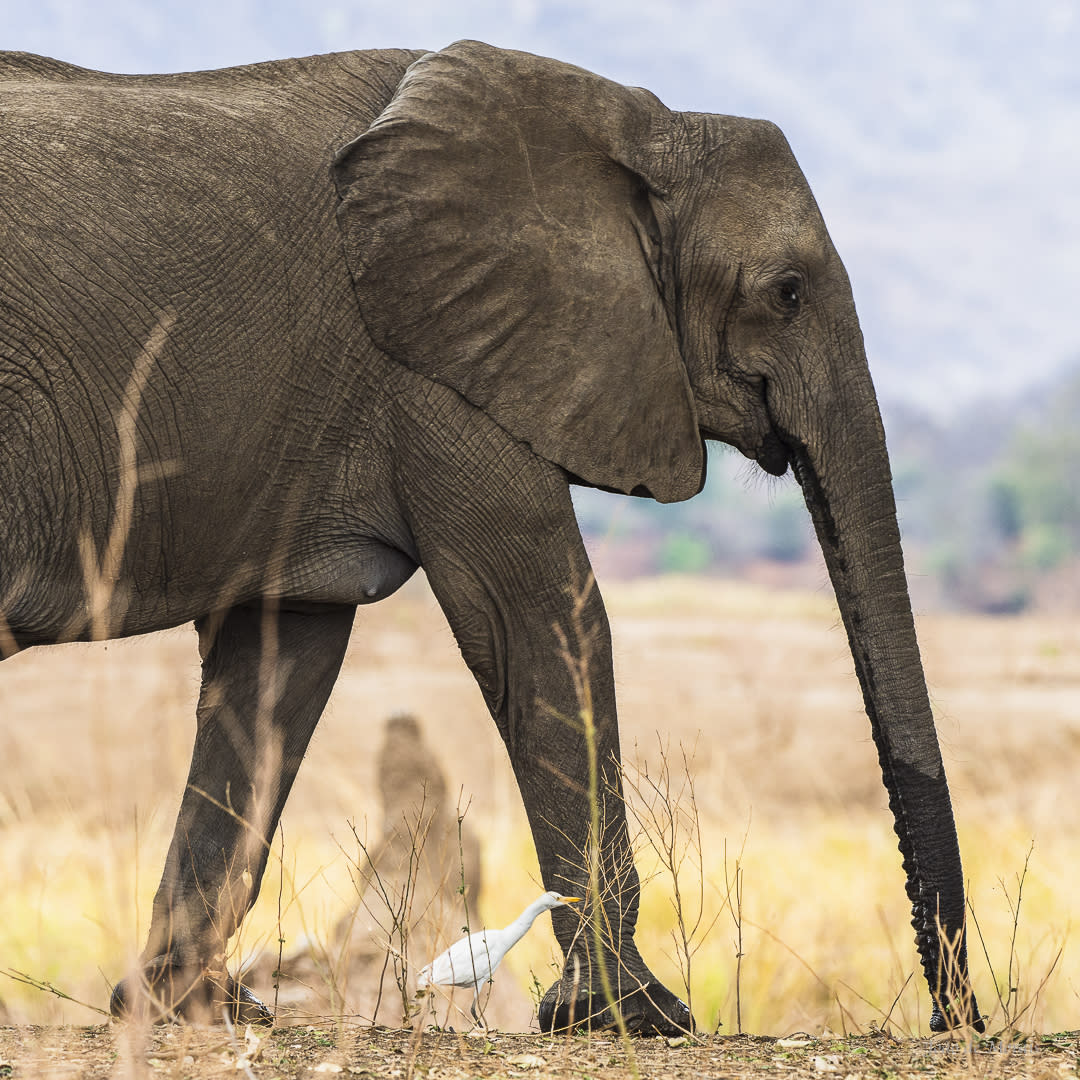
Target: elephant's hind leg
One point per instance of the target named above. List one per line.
(267, 673)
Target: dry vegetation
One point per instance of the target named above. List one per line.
(756, 685)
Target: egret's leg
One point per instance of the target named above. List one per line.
(478, 1017)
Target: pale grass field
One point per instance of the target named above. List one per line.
(96, 739)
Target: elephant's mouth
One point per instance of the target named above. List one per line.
(747, 424)
(771, 451)
(772, 454)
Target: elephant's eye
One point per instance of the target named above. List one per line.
(788, 294)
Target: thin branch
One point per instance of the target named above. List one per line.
(49, 988)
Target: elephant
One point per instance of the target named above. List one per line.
(272, 337)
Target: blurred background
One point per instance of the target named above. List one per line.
(941, 140)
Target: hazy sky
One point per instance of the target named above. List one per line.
(941, 137)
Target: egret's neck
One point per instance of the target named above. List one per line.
(521, 924)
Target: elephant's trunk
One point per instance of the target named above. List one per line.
(843, 468)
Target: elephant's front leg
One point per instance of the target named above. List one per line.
(508, 566)
(565, 754)
(267, 673)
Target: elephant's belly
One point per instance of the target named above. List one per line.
(361, 573)
(60, 606)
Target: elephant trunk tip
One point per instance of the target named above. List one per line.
(947, 1017)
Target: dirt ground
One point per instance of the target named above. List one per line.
(109, 1051)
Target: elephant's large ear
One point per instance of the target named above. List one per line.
(498, 226)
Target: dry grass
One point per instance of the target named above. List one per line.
(97, 737)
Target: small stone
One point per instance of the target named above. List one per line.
(526, 1061)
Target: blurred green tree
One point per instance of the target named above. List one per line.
(1034, 493)
(684, 553)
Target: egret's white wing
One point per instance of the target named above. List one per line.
(468, 962)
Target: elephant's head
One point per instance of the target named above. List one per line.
(612, 282)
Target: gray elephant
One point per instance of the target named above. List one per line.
(273, 337)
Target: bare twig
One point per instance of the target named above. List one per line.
(668, 818)
(280, 934)
(888, 1015)
(398, 907)
(735, 885)
(49, 988)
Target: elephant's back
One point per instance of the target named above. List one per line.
(381, 66)
(332, 95)
(167, 175)
(29, 67)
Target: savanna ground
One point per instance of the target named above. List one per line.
(754, 684)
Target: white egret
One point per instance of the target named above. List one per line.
(472, 960)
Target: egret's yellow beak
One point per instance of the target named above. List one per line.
(571, 899)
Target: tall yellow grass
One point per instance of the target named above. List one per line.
(97, 737)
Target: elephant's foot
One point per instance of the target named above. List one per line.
(650, 1009)
(167, 992)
